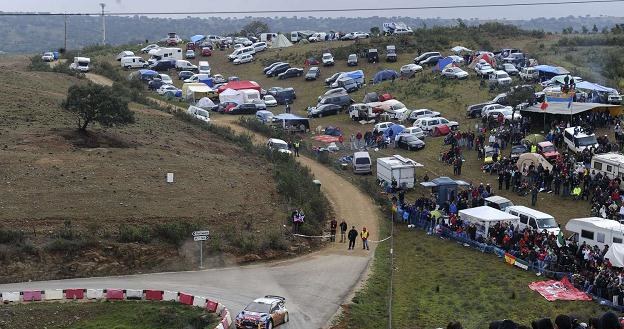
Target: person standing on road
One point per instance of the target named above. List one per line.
(364, 235)
(332, 228)
(343, 231)
(353, 233)
(296, 147)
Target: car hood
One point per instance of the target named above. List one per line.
(252, 316)
(551, 154)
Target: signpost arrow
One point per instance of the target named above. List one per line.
(201, 233)
(200, 238)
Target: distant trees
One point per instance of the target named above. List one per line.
(93, 103)
(567, 30)
(374, 31)
(254, 28)
(595, 29)
(584, 29)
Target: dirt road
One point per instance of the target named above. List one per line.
(315, 285)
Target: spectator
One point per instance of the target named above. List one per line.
(353, 233)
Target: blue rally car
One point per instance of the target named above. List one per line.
(263, 313)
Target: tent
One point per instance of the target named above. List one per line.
(197, 38)
(441, 130)
(460, 49)
(281, 42)
(525, 160)
(206, 103)
(442, 63)
(238, 85)
(232, 96)
(616, 254)
(573, 108)
(551, 70)
(385, 75)
(484, 217)
(393, 130)
(485, 57)
(586, 85)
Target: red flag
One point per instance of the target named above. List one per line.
(544, 106)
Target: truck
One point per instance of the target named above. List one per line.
(164, 53)
(399, 168)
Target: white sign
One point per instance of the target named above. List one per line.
(169, 177)
(201, 233)
(200, 238)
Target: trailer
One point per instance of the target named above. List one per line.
(595, 231)
(399, 168)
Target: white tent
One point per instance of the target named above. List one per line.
(281, 42)
(231, 95)
(525, 160)
(459, 49)
(205, 103)
(616, 254)
(484, 217)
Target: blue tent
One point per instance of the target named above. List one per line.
(393, 130)
(198, 37)
(385, 75)
(586, 85)
(442, 63)
(555, 70)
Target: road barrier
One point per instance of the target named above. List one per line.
(95, 295)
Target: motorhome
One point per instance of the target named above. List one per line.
(80, 64)
(265, 37)
(609, 164)
(595, 231)
(485, 217)
(398, 168)
(133, 62)
(534, 219)
(164, 53)
(125, 53)
(577, 140)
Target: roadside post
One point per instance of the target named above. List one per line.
(201, 236)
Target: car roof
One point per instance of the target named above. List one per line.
(277, 140)
(267, 300)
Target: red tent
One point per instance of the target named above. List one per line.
(240, 85)
(441, 130)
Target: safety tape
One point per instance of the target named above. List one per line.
(312, 236)
(382, 240)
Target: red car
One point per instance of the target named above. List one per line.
(190, 46)
(206, 52)
(547, 150)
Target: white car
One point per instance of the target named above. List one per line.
(48, 57)
(484, 69)
(500, 78)
(260, 46)
(507, 114)
(238, 46)
(410, 69)
(167, 88)
(401, 30)
(493, 107)
(415, 131)
(454, 73)
(166, 79)
(245, 41)
(278, 145)
(190, 54)
(198, 113)
(328, 59)
(428, 124)
(423, 113)
(246, 58)
(147, 48)
(270, 101)
(382, 126)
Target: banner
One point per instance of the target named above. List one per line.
(558, 290)
(512, 260)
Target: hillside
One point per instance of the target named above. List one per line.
(76, 205)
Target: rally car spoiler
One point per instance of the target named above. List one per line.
(274, 296)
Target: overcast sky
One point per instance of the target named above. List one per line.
(616, 9)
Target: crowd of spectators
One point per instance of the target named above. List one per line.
(608, 320)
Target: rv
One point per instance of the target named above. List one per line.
(265, 37)
(396, 167)
(125, 53)
(133, 62)
(485, 217)
(534, 219)
(164, 53)
(577, 140)
(80, 64)
(609, 164)
(595, 231)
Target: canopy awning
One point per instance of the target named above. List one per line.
(586, 85)
(569, 108)
(197, 38)
(459, 49)
(558, 70)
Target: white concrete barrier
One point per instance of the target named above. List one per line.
(171, 296)
(11, 297)
(95, 293)
(134, 294)
(199, 301)
(53, 294)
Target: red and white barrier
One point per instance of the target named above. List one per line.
(34, 296)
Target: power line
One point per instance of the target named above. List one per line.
(323, 10)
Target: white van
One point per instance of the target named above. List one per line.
(362, 163)
(537, 220)
(485, 217)
(595, 231)
(184, 65)
(577, 140)
(80, 64)
(125, 53)
(609, 164)
(198, 113)
(498, 202)
(133, 62)
(241, 51)
(204, 67)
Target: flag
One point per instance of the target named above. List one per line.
(570, 104)
(560, 240)
(510, 259)
(544, 106)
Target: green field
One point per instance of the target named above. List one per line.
(106, 315)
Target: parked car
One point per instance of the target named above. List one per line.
(457, 59)
(278, 145)
(198, 113)
(428, 124)
(206, 52)
(183, 75)
(484, 69)
(454, 73)
(529, 74)
(242, 59)
(147, 48)
(163, 65)
(486, 109)
(270, 101)
(260, 46)
(333, 91)
(414, 131)
(277, 69)
(500, 78)
(342, 100)
(272, 65)
(383, 126)
(410, 70)
(166, 79)
(506, 113)
(154, 84)
(432, 60)
(517, 150)
(352, 60)
(422, 113)
(391, 54)
(372, 55)
(327, 59)
(290, 73)
(246, 108)
(547, 150)
(171, 89)
(324, 110)
(190, 54)
(409, 142)
(266, 312)
(355, 35)
(426, 55)
(185, 65)
(48, 57)
(510, 69)
(313, 73)
(333, 78)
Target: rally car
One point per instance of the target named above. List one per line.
(263, 313)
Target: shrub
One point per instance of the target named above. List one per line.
(10, 236)
(174, 233)
(69, 247)
(129, 234)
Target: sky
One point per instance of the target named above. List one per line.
(236, 5)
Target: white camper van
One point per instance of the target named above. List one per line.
(485, 217)
(577, 140)
(80, 64)
(595, 231)
(403, 170)
(534, 219)
(609, 164)
(133, 62)
(164, 53)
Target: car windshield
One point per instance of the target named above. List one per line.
(503, 75)
(362, 161)
(444, 121)
(504, 205)
(269, 98)
(549, 148)
(547, 223)
(280, 146)
(327, 56)
(587, 141)
(258, 308)
(410, 138)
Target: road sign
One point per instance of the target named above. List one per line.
(200, 238)
(201, 233)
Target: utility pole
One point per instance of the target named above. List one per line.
(103, 24)
(65, 43)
